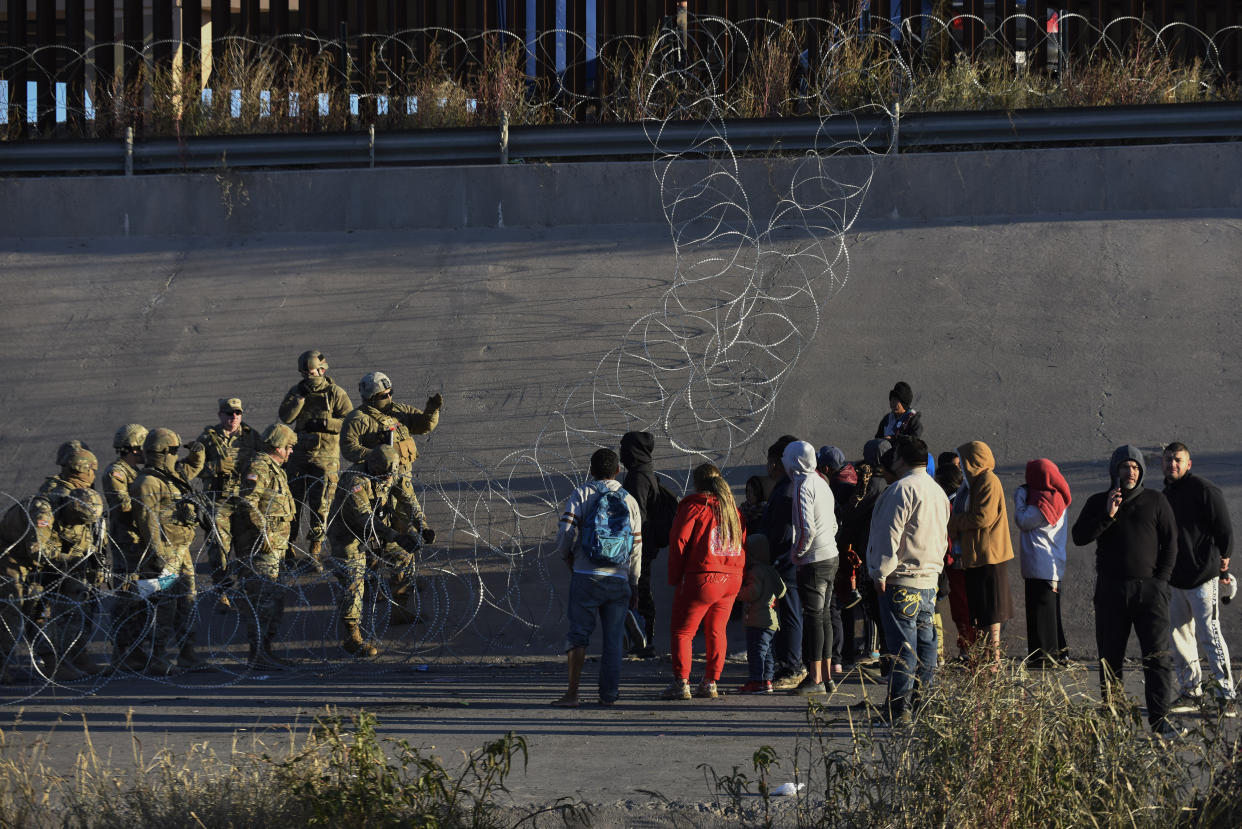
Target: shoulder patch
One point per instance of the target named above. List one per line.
(42, 522)
(358, 488)
(252, 477)
(118, 474)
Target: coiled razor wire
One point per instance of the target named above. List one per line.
(756, 67)
(702, 370)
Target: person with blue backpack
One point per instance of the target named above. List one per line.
(600, 539)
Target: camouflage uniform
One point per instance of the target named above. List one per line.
(71, 568)
(315, 408)
(130, 612)
(264, 515)
(23, 535)
(225, 457)
(369, 426)
(365, 521)
(167, 516)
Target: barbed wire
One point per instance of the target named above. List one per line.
(702, 369)
(431, 77)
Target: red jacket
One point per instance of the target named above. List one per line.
(694, 545)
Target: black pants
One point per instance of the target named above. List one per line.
(1142, 604)
(1045, 636)
(646, 600)
(815, 582)
(787, 645)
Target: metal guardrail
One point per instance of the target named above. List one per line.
(918, 131)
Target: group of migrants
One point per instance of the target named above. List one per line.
(821, 545)
(64, 545)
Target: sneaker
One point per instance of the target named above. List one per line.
(1165, 730)
(677, 689)
(1227, 708)
(1186, 704)
(790, 680)
(706, 690)
(756, 686)
(647, 652)
(807, 688)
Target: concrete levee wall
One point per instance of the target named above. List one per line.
(965, 186)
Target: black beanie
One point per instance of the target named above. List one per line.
(902, 392)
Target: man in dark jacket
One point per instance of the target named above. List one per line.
(777, 525)
(1135, 537)
(1204, 541)
(640, 482)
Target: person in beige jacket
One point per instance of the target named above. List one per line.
(982, 531)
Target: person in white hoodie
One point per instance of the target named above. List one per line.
(905, 554)
(1040, 509)
(814, 552)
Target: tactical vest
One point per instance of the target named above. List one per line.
(317, 405)
(271, 495)
(224, 459)
(393, 432)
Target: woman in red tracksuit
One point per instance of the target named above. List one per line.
(706, 560)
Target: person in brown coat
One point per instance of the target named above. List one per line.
(982, 531)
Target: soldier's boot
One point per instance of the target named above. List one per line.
(188, 658)
(88, 664)
(315, 553)
(260, 659)
(274, 657)
(158, 664)
(353, 643)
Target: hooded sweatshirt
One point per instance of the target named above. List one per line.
(640, 479)
(982, 527)
(1040, 509)
(814, 508)
(1140, 541)
(695, 545)
(1204, 533)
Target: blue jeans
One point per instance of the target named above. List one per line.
(911, 635)
(759, 654)
(611, 598)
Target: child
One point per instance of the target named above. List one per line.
(761, 587)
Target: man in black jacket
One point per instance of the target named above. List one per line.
(1204, 541)
(1135, 535)
(777, 525)
(640, 481)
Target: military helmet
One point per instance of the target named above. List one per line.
(83, 506)
(279, 436)
(373, 383)
(160, 441)
(81, 460)
(65, 451)
(129, 436)
(382, 460)
(311, 360)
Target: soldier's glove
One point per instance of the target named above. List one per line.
(435, 402)
(407, 543)
(429, 535)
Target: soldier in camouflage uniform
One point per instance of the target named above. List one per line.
(364, 522)
(228, 447)
(167, 516)
(131, 619)
(380, 421)
(315, 408)
(264, 516)
(70, 570)
(24, 533)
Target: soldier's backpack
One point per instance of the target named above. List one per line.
(607, 537)
(663, 511)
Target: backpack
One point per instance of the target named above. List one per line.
(607, 537)
(663, 511)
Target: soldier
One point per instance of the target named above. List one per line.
(130, 618)
(265, 512)
(315, 408)
(381, 421)
(228, 447)
(76, 546)
(365, 521)
(70, 570)
(167, 517)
